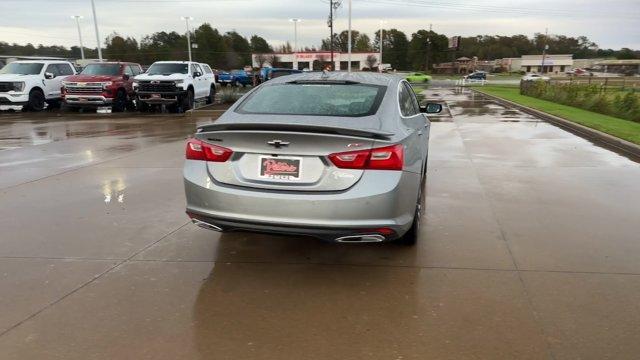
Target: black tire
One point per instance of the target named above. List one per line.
(36, 101)
(212, 95)
(119, 102)
(236, 84)
(187, 101)
(410, 238)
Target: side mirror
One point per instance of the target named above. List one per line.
(431, 108)
(49, 75)
(126, 77)
(197, 74)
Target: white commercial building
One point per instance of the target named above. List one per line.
(316, 60)
(553, 64)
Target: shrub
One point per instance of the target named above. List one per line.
(589, 97)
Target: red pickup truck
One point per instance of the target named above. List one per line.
(101, 84)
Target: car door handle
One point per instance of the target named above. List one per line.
(420, 133)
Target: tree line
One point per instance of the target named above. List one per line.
(419, 51)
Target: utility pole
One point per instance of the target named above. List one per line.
(544, 49)
(78, 17)
(95, 24)
(333, 5)
(380, 44)
(428, 49)
(331, 30)
(349, 41)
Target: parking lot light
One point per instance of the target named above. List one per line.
(295, 33)
(78, 17)
(95, 24)
(187, 19)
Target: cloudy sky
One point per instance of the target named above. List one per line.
(610, 23)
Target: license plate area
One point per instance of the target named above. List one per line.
(280, 168)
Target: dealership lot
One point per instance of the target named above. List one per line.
(529, 249)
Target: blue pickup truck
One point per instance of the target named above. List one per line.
(267, 73)
(235, 77)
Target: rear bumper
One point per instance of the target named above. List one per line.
(327, 234)
(380, 199)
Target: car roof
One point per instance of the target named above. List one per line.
(360, 77)
(42, 62)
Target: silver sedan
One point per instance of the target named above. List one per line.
(338, 156)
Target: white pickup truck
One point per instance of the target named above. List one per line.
(33, 83)
(177, 84)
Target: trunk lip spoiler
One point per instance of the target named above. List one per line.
(366, 133)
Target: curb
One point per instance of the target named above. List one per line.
(610, 141)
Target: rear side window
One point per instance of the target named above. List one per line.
(128, 70)
(316, 99)
(408, 103)
(53, 68)
(64, 69)
(136, 69)
(207, 69)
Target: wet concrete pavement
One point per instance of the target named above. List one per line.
(529, 250)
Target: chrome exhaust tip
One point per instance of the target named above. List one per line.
(369, 238)
(206, 225)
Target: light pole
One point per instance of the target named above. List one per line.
(295, 33)
(349, 40)
(95, 24)
(544, 50)
(78, 17)
(186, 19)
(382, 22)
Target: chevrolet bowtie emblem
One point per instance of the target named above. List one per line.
(278, 143)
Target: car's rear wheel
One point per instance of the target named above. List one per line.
(410, 238)
(36, 100)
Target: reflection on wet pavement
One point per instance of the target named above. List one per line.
(528, 249)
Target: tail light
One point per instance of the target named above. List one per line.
(199, 150)
(384, 158)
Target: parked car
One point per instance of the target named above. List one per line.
(579, 72)
(33, 84)
(339, 156)
(102, 84)
(478, 75)
(235, 77)
(177, 84)
(418, 77)
(267, 74)
(535, 77)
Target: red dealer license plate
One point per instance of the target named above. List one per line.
(280, 168)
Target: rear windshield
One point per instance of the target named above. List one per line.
(22, 68)
(168, 69)
(101, 69)
(315, 99)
